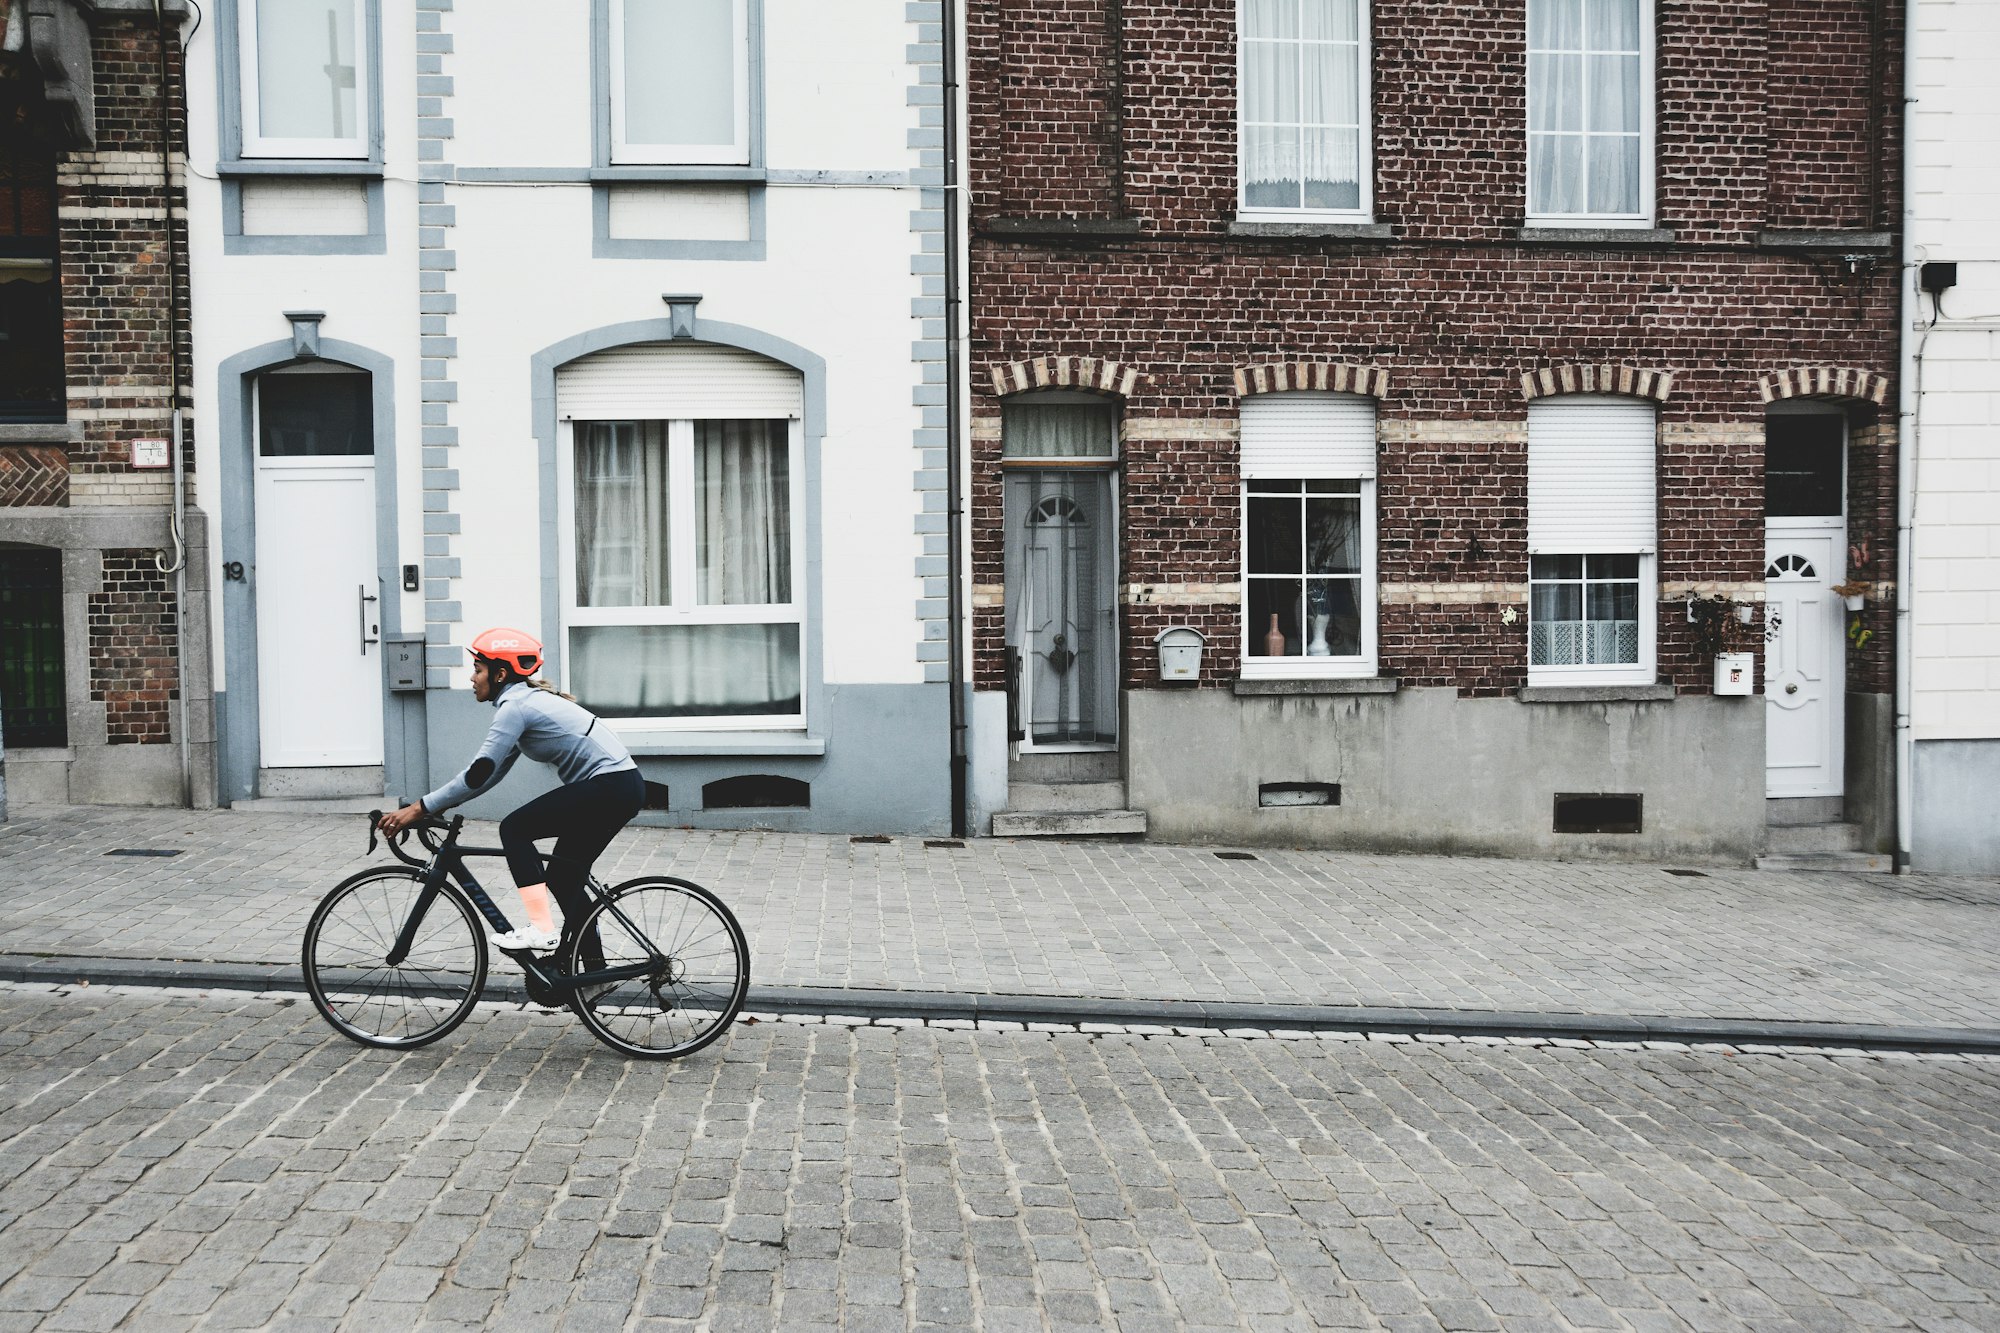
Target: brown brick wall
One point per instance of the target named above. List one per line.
(1456, 308)
(1051, 64)
(33, 474)
(132, 649)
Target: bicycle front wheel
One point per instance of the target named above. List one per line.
(413, 1001)
(699, 968)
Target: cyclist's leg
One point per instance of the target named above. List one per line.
(613, 798)
(547, 816)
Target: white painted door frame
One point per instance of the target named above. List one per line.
(1805, 667)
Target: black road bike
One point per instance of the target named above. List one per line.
(394, 956)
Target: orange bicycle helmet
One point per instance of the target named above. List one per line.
(515, 649)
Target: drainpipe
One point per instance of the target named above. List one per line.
(955, 611)
(1910, 396)
(177, 522)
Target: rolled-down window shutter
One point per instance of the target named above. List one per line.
(1308, 435)
(1590, 476)
(658, 381)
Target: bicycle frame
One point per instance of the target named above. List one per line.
(447, 867)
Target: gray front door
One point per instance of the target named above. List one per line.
(1062, 581)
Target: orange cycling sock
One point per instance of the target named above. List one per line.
(535, 897)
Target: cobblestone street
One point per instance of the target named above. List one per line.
(179, 1159)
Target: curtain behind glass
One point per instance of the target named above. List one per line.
(743, 513)
(1059, 430)
(680, 72)
(1584, 117)
(621, 514)
(306, 69)
(686, 670)
(1302, 113)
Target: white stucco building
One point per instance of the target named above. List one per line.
(618, 321)
(1952, 393)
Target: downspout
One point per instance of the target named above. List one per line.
(1910, 394)
(955, 616)
(177, 523)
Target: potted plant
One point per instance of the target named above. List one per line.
(1853, 594)
(1722, 631)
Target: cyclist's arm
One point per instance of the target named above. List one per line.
(501, 748)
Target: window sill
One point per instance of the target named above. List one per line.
(688, 172)
(300, 166)
(1269, 686)
(1595, 694)
(1594, 236)
(644, 743)
(1103, 229)
(1831, 242)
(41, 432)
(1320, 231)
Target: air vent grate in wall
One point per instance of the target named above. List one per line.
(1598, 812)
(756, 791)
(656, 796)
(1274, 794)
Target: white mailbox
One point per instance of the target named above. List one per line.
(1180, 652)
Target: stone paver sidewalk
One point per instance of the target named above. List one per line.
(1113, 921)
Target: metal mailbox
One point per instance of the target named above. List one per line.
(404, 660)
(1180, 652)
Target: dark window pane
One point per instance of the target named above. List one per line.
(1802, 466)
(31, 341)
(1557, 601)
(1555, 567)
(31, 648)
(1614, 566)
(1274, 537)
(315, 416)
(1275, 603)
(1614, 601)
(1333, 536)
(1333, 618)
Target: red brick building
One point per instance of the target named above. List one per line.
(1429, 360)
(100, 562)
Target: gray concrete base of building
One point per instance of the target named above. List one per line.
(1423, 770)
(1955, 807)
(885, 767)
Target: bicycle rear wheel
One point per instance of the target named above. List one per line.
(701, 968)
(357, 990)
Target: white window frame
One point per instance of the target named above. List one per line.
(682, 574)
(1365, 167)
(1645, 671)
(735, 153)
(258, 144)
(1643, 218)
(1303, 667)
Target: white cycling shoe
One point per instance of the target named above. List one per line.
(531, 938)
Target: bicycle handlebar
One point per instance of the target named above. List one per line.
(426, 830)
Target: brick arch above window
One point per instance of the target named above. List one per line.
(1550, 381)
(1824, 382)
(1065, 372)
(1286, 376)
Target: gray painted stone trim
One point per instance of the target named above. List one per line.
(729, 743)
(811, 367)
(1595, 694)
(603, 245)
(1829, 242)
(600, 95)
(595, 175)
(374, 241)
(236, 721)
(1324, 231)
(1595, 236)
(437, 349)
(927, 351)
(1325, 685)
(229, 99)
(50, 432)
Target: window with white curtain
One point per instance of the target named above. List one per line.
(304, 78)
(1303, 95)
(682, 570)
(1591, 536)
(1308, 535)
(680, 81)
(1590, 110)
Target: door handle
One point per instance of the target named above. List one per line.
(366, 628)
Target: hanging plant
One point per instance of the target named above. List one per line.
(1722, 625)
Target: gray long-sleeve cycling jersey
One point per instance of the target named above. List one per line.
(543, 726)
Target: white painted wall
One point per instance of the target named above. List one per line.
(1955, 203)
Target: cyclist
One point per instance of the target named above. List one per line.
(601, 788)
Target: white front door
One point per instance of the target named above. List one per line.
(1804, 662)
(1063, 554)
(319, 660)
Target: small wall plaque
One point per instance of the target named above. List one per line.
(149, 453)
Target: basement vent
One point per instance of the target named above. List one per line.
(756, 791)
(870, 838)
(945, 843)
(1235, 856)
(656, 796)
(143, 851)
(1598, 812)
(1271, 794)
(1688, 874)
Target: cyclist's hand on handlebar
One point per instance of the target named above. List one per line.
(396, 821)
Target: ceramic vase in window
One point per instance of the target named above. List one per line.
(1318, 614)
(1274, 638)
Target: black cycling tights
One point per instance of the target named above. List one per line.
(583, 818)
